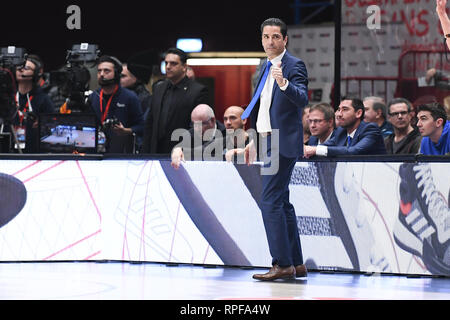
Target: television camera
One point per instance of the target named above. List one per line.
(73, 79)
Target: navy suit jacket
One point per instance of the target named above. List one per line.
(286, 107)
(314, 141)
(366, 141)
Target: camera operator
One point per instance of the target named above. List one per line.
(118, 109)
(31, 100)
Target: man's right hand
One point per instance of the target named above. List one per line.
(177, 157)
(250, 153)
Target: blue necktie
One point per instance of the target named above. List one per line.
(255, 98)
(349, 141)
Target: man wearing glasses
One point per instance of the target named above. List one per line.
(406, 138)
(31, 100)
(353, 137)
(321, 123)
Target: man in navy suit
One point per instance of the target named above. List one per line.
(278, 113)
(353, 137)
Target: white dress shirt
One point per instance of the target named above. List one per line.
(323, 150)
(263, 120)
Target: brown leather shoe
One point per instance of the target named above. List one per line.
(276, 272)
(301, 271)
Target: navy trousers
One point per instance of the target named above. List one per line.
(278, 213)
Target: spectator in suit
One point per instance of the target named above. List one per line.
(321, 123)
(205, 131)
(406, 138)
(375, 111)
(353, 137)
(173, 100)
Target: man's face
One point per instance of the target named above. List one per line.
(399, 116)
(105, 71)
(201, 123)
(346, 115)
(370, 115)
(232, 119)
(426, 124)
(272, 41)
(127, 79)
(317, 123)
(26, 73)
(175, 69)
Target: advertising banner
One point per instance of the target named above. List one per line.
(387, 217)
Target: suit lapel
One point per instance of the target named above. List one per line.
(357, 133)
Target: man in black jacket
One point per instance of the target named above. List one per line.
(405, 139)
(172, 103)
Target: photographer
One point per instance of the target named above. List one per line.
(118, 109)
(31, 100)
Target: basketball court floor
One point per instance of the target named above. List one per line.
(155, 281)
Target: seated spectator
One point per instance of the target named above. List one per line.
(204, 131)
(406, 138)
(353, 137)
(111, 101)
(375, 111)
(305, 123)
(236, 138)
(434, 128)
(321, 123)
(31, 101)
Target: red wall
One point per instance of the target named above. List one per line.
(232, 85)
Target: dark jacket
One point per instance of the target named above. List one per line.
(286, 107)
(125, 106)
(186, 96)
(409, 145)
(40, 103)
(366, 141)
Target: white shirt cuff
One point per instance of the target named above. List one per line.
(321, 150)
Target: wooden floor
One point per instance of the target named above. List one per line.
(153, 281)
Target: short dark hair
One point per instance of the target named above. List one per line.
(37, 61)
(116, 62)
(275, 22)
(357, 104)
(399, 100)
(437, 110)
(183, 56)
(380, 106)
